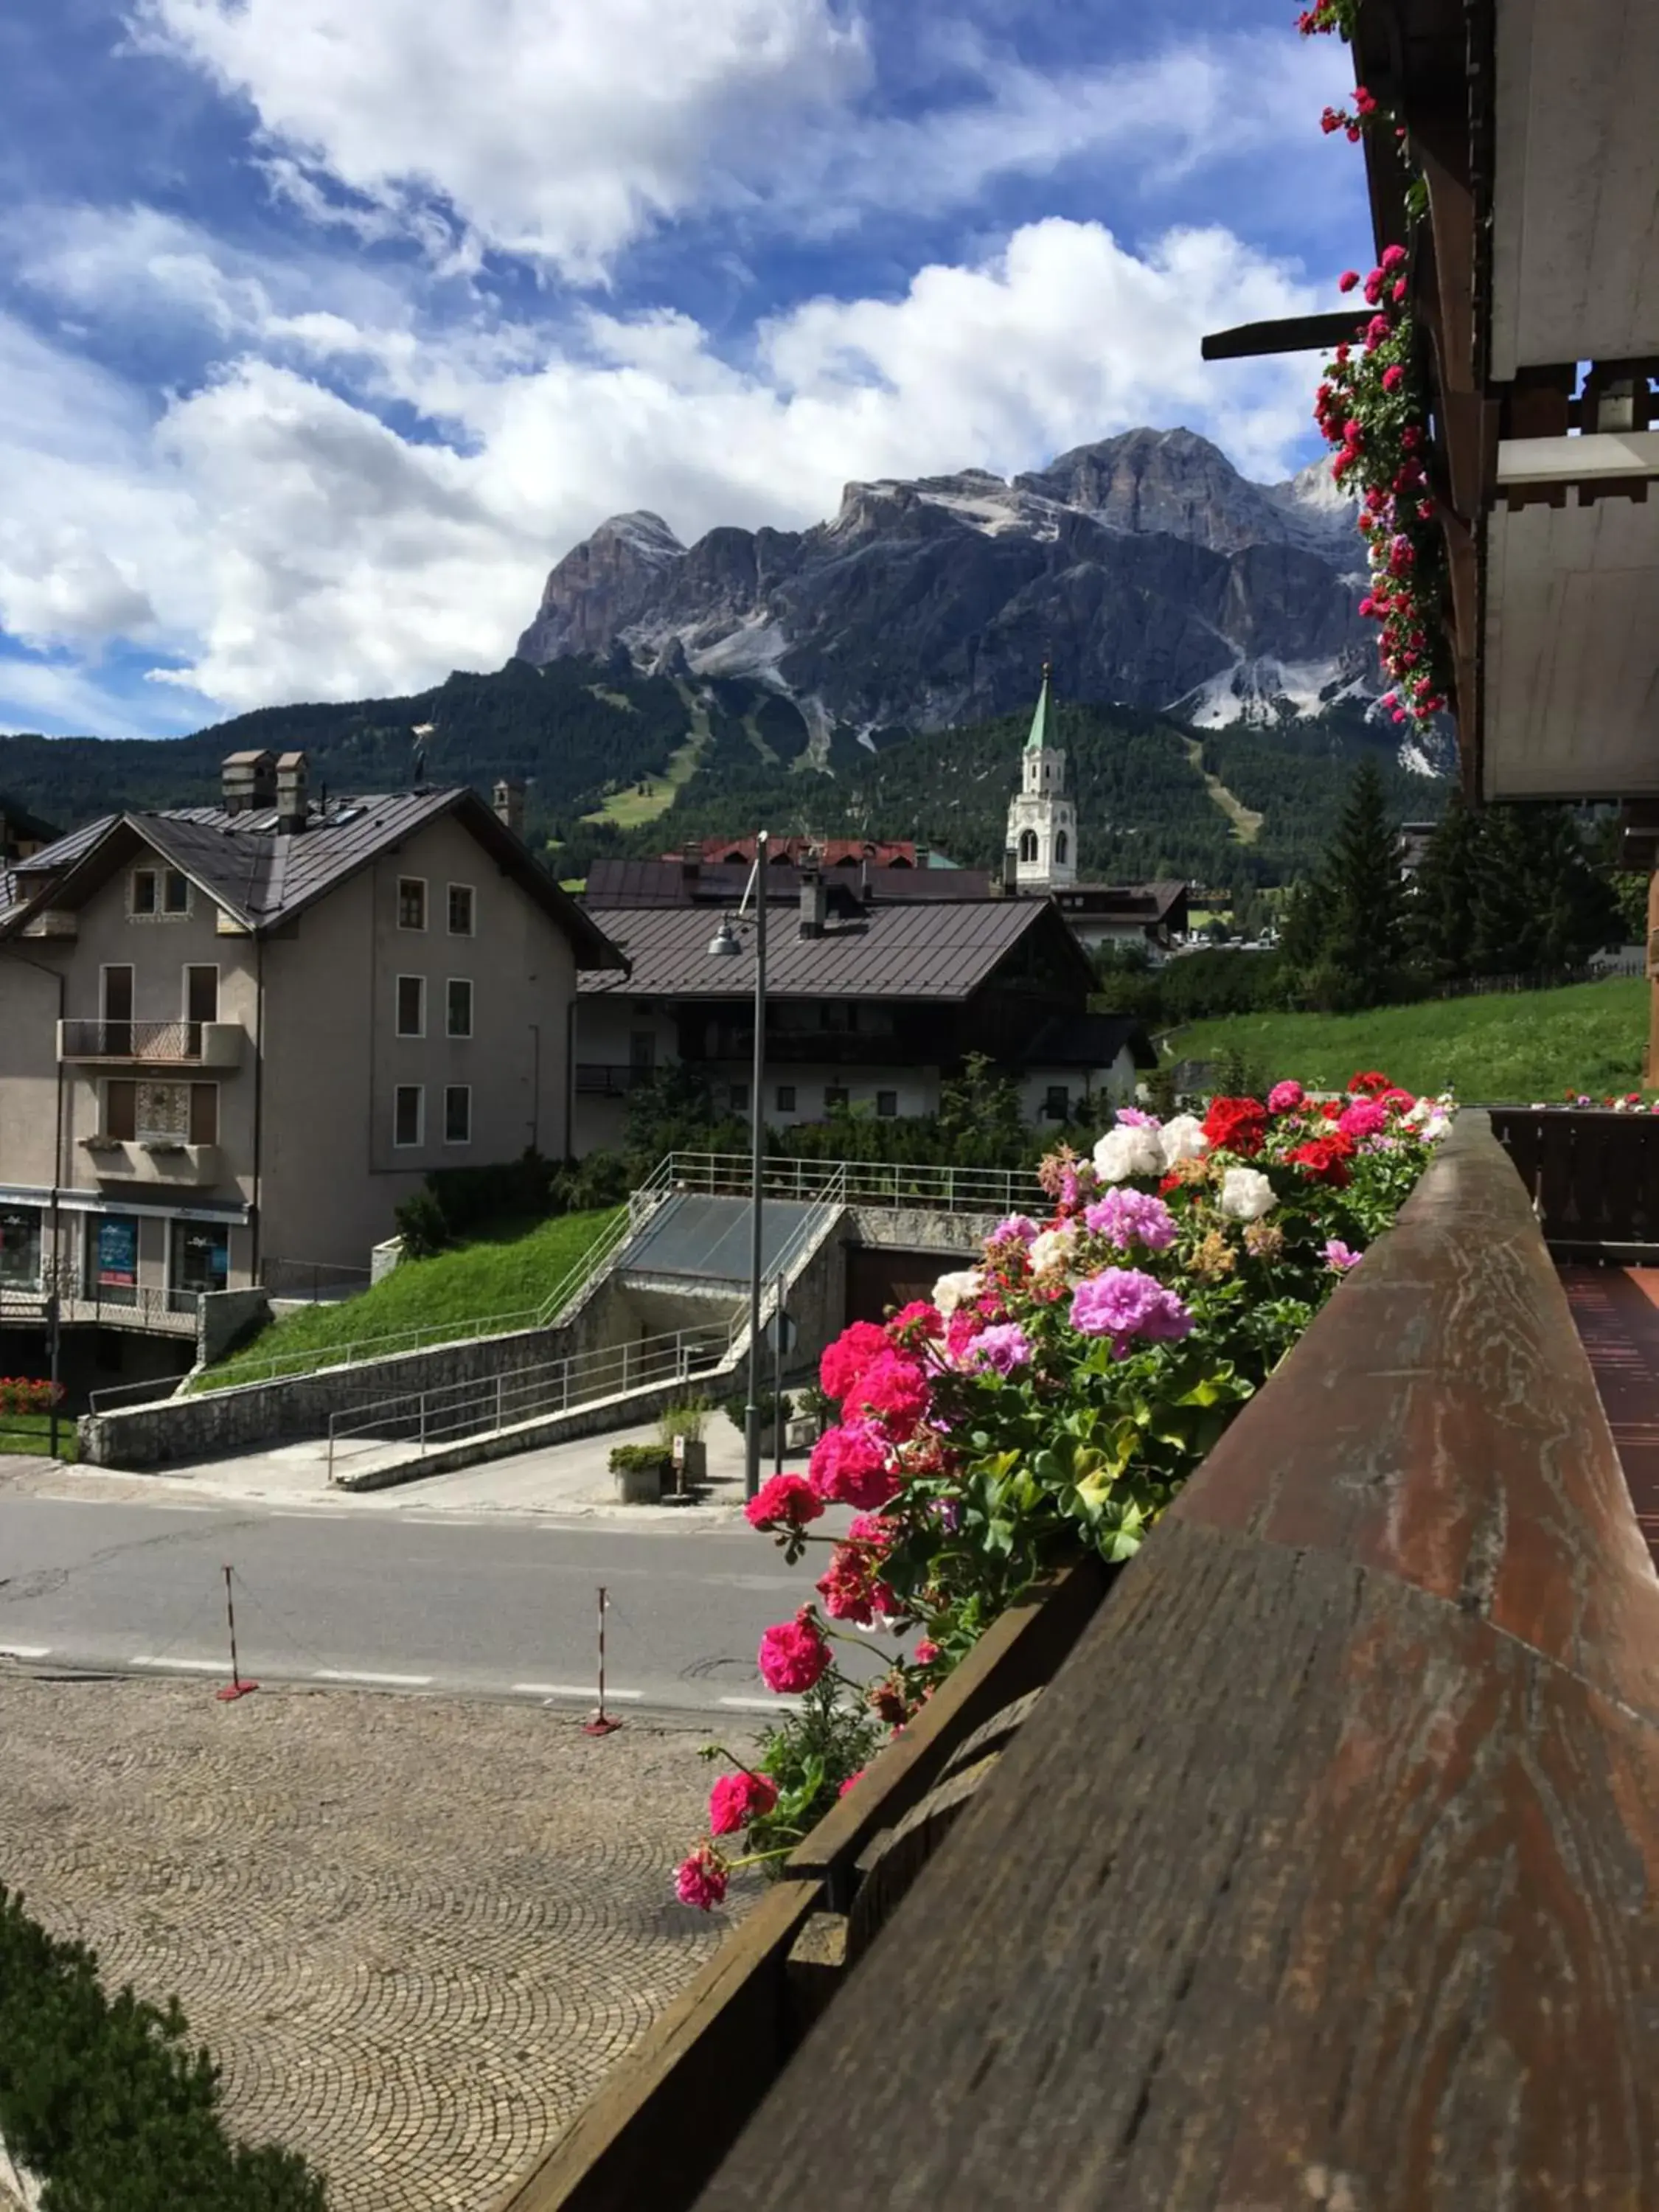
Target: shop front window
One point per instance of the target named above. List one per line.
(200, 1260)
(20, 1248)
(112, 1259)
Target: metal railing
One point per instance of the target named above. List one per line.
(143, 1306)
(811, 1183)
(391, 1343)
(609, 1079)
(455, 1411)
(942, 1190)
(110, 1394)
(127, 1040)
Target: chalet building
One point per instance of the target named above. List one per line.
(871, 1004)
(236, 1035)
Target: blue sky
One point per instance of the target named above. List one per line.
(327, 325)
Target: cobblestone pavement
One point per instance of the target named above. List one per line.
(414, 1932)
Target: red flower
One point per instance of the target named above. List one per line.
(1348, 280)
(1326, 1158)
(851, 1590)
(701, 1879)
(1368, 1084)
(789, 1498)
(1236, 1125)
(738, 1799)
(894, 1390)
(846, 1360)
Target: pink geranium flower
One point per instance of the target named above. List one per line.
(846, 1360)
(892, 1389)
(738, 1799)
(1285, 1097)
(701, 1879)
(792, 1654)
(789, 1498)
(849, 1467)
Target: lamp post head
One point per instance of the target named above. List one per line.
(723, 945)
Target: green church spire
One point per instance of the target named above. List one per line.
(1042, 722)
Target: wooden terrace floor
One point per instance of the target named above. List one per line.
(1617, 1310)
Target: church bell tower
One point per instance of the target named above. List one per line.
(1042, 819)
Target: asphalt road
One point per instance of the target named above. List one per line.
(508, 1607)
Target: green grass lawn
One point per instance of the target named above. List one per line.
(32, 1433)
(500, 1274)
(1511, 1048)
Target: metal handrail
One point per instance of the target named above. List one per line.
(449, 1412)
(803, 1181)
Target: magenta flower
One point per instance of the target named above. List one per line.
(1126, 1217)
(848, 1466)
(846, 1360)
(701, 1879)
(1019, 1226)
(1365, 1118)
(1338, 1257)
(893, 1389)
(999, 1349)
(1132, 1117)
(1348, 280)
(1123, 1304)
(1393, 377)
(738, 1799)
(792, 1654)
(1285, 1097)
(790, 1498)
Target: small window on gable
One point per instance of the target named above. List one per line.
(175, 892)
(460, 909)
(143, 898)
(411, 903)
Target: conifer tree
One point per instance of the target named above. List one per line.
(1364, 899)
(1440, 901)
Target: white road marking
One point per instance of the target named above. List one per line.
(763, 1704)
(25, 1651)
(195, 1666)
(356, 1675)
(575, 1690)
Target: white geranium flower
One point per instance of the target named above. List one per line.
(1182, 1138)
(953, 1291)
(1246, 1195)
(1435, 1128)
(1054, 1248)
(1123, 1152)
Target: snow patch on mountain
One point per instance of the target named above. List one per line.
(1252, 692)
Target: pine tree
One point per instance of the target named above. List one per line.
(1539, 906)
(1364, 904)
(1440, 900)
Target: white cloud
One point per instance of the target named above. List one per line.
(270, 531)
(556, 128)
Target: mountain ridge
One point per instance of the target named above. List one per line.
(1146, 567)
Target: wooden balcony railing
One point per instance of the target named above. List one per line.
(1322, 1874)
(1593, 1175)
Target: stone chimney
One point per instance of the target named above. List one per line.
(922, 856)
(1006, 884)
(291, 810)
(509, 804)
(812, 903)
(690, 862)
(248, 780)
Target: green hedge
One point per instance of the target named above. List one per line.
(102, 2098)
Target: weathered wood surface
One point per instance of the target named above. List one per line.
(1323, 1873)
(1016, 1653)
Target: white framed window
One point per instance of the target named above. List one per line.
(458, 1114)
(408, 1115)
(411, 1005)
(463, 911)
(458, 1007)
(143, 892)
(411, 902)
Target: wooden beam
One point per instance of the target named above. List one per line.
(1323, 1872)
(1290, 334)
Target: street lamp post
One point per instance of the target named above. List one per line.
(724, 945)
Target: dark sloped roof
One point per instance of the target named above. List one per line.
(263, 876)
(1088, 1041)
(614, 882)
(924, 950)
(22, 824)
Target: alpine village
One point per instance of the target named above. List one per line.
(843, 1393)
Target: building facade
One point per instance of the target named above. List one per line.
(235, 1038)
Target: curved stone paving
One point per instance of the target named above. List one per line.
(414, 1932)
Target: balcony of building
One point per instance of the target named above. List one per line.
(168, 1162)
(609, 1078)
(216, 1045)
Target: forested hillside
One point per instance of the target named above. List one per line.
(1238, 808)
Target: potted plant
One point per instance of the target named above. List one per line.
(681, 1427)
(815, 1411)
(640, 1471)
(772, 1410)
